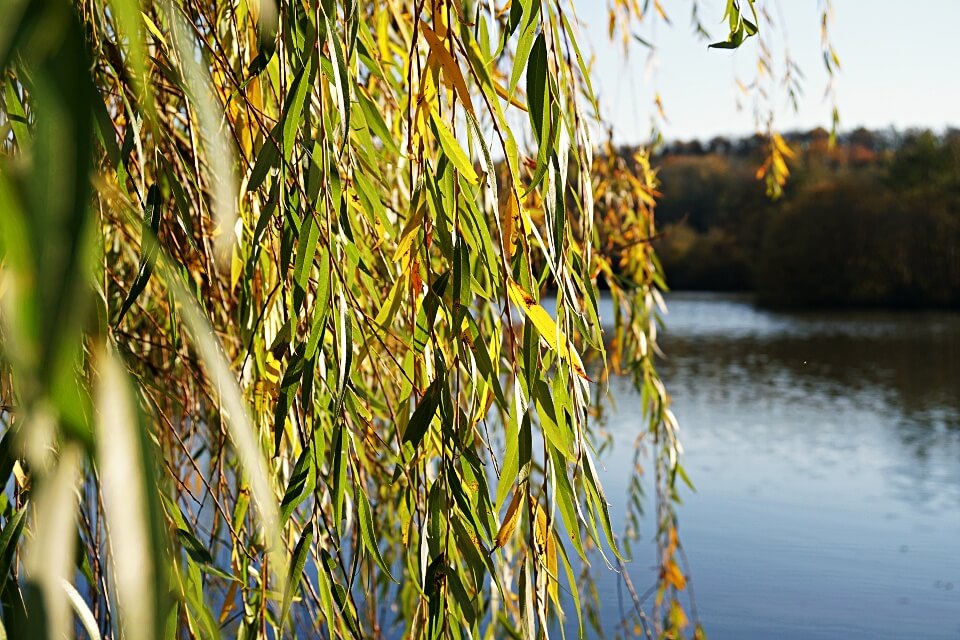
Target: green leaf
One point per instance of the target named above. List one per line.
(462, 294)
(510, 468)
(300, 485)
(344, 353)
(571, 580)
(149, 245)
(551, 420)
(293, 108)
(321, 307)
(266, 160)
(451, 149)
(15, 19)
(376, 123)
(584, 71)
(338, 451)
(126, 460)
(537, 83)
(196, 550)
(595, 489)
(128, 23)
(306, 250)
(423, 414)
(525, 43)
(566, 500)
(299, 560)
(367, 533)
(9, 540)
(341, 78)
(17, 115)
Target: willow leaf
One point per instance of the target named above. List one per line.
(149, 246)
(451, 148)
(510, 519)
(549, 331)
(297, 563)
(423, 414)
(367, 533)
(451, 70)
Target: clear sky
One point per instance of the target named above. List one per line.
(900, 66)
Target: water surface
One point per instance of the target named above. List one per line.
(825, 448)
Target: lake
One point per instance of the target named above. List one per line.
(825, 448)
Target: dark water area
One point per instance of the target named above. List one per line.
(825, 448)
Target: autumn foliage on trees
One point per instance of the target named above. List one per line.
(871, 221)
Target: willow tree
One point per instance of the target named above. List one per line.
(275, 360)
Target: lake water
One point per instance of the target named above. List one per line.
(825, 448)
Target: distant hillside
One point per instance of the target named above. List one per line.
(875, 221)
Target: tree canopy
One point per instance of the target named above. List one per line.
(277, 357)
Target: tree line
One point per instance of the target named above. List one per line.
(872, 220)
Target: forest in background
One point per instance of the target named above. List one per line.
(873, 221)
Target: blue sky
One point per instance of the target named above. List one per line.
(901, 67)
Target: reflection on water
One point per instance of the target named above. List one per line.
(826, 452)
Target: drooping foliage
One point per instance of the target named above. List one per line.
(277, 356)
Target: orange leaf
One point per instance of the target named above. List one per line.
(673, 576)
(547, 547)
(509, 520)
(451, 70)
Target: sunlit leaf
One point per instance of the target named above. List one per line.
(510, 519)
(548, 329)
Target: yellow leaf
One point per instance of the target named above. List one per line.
(451, 70)
(547, 547)
(236, 267)
(780, 169)
(228, 602)
(658, 101)
(782, 145)
(384, 317)
(152, 28)
(673, 576)
(23, 480)
(549, 331)
(414, 224)
(510, 520)
(425, 98)
(660, 11)
(271, 369)
(678, 619)
(673, 542)
(383, 40)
